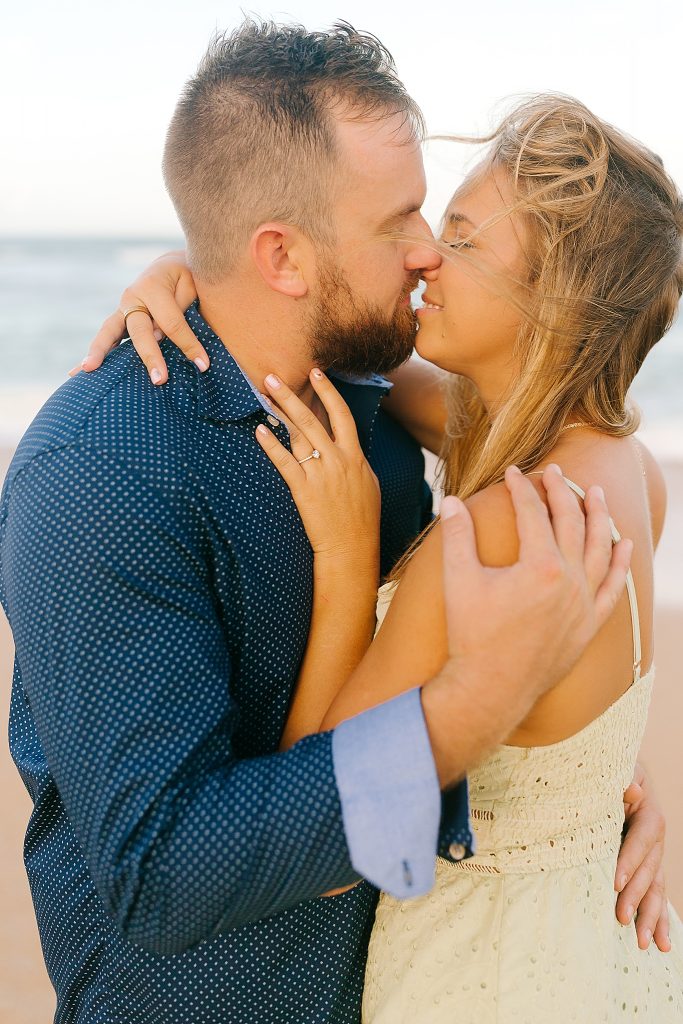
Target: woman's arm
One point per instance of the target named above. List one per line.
(417, 401)
(412, 645)
(166, 288)
(338, 498)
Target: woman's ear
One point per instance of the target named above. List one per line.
(282, 258)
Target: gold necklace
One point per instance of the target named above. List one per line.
(572, 426)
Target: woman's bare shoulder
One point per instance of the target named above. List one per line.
(656, 489)
(493, 516)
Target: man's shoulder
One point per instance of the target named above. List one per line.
(115, 410)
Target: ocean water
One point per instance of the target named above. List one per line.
(55, 293)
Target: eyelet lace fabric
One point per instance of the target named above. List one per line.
(525, 931)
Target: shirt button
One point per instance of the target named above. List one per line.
(457, 851)
(273, 420)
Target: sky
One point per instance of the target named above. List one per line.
(89, 88)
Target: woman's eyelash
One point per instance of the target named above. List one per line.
(458, 244)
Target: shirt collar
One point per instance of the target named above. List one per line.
(226, 394)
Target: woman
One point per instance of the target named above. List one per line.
(562, 268)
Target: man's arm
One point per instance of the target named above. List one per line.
(128, 675)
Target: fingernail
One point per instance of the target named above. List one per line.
(158, 334)
(600, 493)
(201, 364)
(515, 469)
(84, 361)
(156, 376)
(263, 431)
(629, 914)
(554, 468)
(317, 374)
(648, 936)
(272, 381)
(621, 882)
(450, 506)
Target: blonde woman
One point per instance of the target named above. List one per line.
(561, 269)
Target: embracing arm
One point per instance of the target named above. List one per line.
(417, 401)
(167, 288)
(127, 670)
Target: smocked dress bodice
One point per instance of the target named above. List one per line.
(524, 932)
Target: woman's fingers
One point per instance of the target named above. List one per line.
(109, 335)
(300, 415)
(163, 306)
(158, 296)
(141, 331)
(341, 421)
(298, 444)
(286, 464)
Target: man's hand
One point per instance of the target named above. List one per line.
(639, 876)
(515, 632)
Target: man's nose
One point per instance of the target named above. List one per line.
(423, 255)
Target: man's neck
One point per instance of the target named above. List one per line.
(261, 340)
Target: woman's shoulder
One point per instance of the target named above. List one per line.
(495, 528)
(585, 462)
(656, 488)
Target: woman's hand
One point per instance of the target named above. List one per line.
(166, 289)
(337, 493)
(338, 498)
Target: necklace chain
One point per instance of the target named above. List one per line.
(572, 426)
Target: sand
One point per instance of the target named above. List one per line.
(26, 996)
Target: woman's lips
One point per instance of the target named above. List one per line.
(428, 307)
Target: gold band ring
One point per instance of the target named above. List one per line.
(136, 309)
(315, 454)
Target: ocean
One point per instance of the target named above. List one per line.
(55, 293)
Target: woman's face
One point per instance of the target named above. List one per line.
(468, 325)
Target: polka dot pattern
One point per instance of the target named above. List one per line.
(158, 583)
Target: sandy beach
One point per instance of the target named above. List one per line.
(25, 993)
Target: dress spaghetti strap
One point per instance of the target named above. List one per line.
(630, 585)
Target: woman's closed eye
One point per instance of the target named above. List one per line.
(457, 243)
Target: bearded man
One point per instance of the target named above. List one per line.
(158, 579)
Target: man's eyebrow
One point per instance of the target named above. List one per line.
(401, 214)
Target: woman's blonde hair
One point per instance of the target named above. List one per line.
(603, 224)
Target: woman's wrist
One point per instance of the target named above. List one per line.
(357, 565)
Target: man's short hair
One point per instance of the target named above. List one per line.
(252, 136)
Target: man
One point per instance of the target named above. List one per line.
(158, 582)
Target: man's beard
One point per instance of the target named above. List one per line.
(355, 337)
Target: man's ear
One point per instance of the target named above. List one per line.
(281, 255)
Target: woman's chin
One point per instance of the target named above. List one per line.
(424, 349)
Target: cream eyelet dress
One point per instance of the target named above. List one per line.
(525, 931)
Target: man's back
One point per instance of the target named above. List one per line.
(158, 582)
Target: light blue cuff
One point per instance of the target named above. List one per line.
(390, 797)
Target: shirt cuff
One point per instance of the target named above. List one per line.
(390, 797)
(456, 840)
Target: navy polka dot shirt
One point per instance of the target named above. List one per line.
(158, 583)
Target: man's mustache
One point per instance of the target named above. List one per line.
(410, 288)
